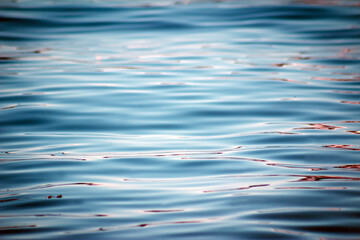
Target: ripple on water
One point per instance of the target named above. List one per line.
(179, 119)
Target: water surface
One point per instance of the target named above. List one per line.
(179, 119)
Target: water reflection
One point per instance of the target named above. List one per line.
(347, 147)
(179, 119)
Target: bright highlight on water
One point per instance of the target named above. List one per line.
(179, 119)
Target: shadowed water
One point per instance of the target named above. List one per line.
(179, 119)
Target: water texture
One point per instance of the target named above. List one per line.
(179, 119)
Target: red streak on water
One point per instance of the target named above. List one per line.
(163, 223)
(163, 211)
(10, 227)
(351, 166)
(318, 178)
(287, 133)
(336, 79)
(290, 166)
(350, 102)
(348, 147)
(320, 126)
(9, 200)
(349, 121)
(354, 132)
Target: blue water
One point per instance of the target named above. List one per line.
(179, 119)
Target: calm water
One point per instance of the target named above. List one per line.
(180, 119)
